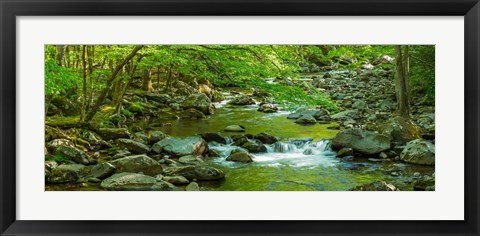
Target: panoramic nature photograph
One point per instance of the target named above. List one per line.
(219, 117)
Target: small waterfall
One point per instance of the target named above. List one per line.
(228, 139)
(296, 152)
(283, 147)
(305, 146)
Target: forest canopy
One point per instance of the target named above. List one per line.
(87, 73)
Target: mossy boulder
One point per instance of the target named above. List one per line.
(68, 173)
(401, 130)
(135, 182)
(419, 152)
(133, 146)
(193, 145)
(200, 102)
(138, 163)
(198, 172)
(243, 157)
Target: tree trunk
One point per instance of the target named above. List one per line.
(61, 54)
(147, 80)
(84, 86)
(110, 82)
(158, 77)
(169, 80)
(402, 77)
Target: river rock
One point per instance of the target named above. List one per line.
(268, 108)
(419, 152)
(135, 182)
(376, 186)
(242, 100)
(193, 186)
(254, 147)
(345, 115)
(191, 113)
(133, 146)
(199, 172)
(345, 152)
(177, 180)
(213, 137)
(161, 116)
(424, 185)
(50, 165)
(158, 97)
(199, 101)
(102, 170)
(156, 136)
(52, 133)
(401, 130)
(138, 163)
(72, 153)
(141, 137)
(52, 145)
(361, 141)
(240, 157)
(193, 145)
(113, 133)
(190, 159)
(306, 120)
(68, 173)
(234, 128)
(265, 138)
(239, 142)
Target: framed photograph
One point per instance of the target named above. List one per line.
(208, 117)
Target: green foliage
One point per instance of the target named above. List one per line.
(58, 79)
(422, 72)
(127, 113)
(136, 108)
(292, 97)
(58, 158)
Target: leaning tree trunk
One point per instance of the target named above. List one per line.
(111, 80)
(402, 77)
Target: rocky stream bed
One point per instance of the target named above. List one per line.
(243, 140)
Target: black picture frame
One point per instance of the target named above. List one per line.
(470, 9)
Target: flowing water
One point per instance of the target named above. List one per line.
(307, 163)
(290, 165)
(302, 160)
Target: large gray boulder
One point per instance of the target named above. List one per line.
(242, 100)
(419, 152)
(135, 182)
(138, 163)
(72, 153)
(199, 172)
(199, 101)
(361, 141)
(68, 173)
(113, 133)
(193, 145)
(133, 146)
